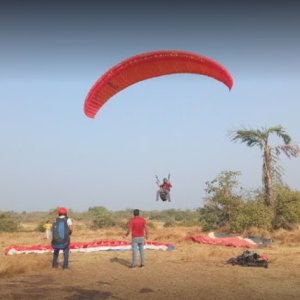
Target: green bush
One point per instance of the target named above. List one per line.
(102, 218)
(287, 207)
(7, 223)
(249, 214)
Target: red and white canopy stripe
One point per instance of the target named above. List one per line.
(87, 247)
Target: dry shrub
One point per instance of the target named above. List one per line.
(287, 237)
(254, 231)
(87, 235)
(28, 226)
(173, 234)
(193, 231)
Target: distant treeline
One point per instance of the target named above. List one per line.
(227, 207)
(98, 217)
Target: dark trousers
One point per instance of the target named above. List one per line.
(66, 257)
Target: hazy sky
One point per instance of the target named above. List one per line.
(51, 54)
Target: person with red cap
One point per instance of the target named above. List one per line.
(61, 230)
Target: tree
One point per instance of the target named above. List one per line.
(222, 199)
(228, 207)
(260, 138)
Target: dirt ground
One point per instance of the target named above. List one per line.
(191, 271)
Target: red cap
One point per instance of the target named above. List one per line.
(62, 211)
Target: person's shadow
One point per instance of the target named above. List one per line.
(121, 261)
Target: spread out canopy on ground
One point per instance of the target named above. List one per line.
(222, 239)
(86, 247)
(149, 65)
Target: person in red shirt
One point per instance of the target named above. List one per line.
(164, 190)
(138, 228)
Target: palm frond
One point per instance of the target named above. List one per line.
(288, 149)
(277, 170)
(249, 137)
(281, 133)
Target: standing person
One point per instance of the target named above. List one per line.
(61, 230)
(47, 226)
(137, 227)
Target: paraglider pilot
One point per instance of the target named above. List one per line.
(164, 189)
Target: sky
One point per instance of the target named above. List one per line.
(52, 53)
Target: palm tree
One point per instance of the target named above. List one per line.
(260, 138)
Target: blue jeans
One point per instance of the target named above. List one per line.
(137, 242)
(66, 257)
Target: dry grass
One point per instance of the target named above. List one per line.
(254, 231)
(290, 238)
(189, 272)
(23, 264)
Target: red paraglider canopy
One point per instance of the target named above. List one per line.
(149, 65)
